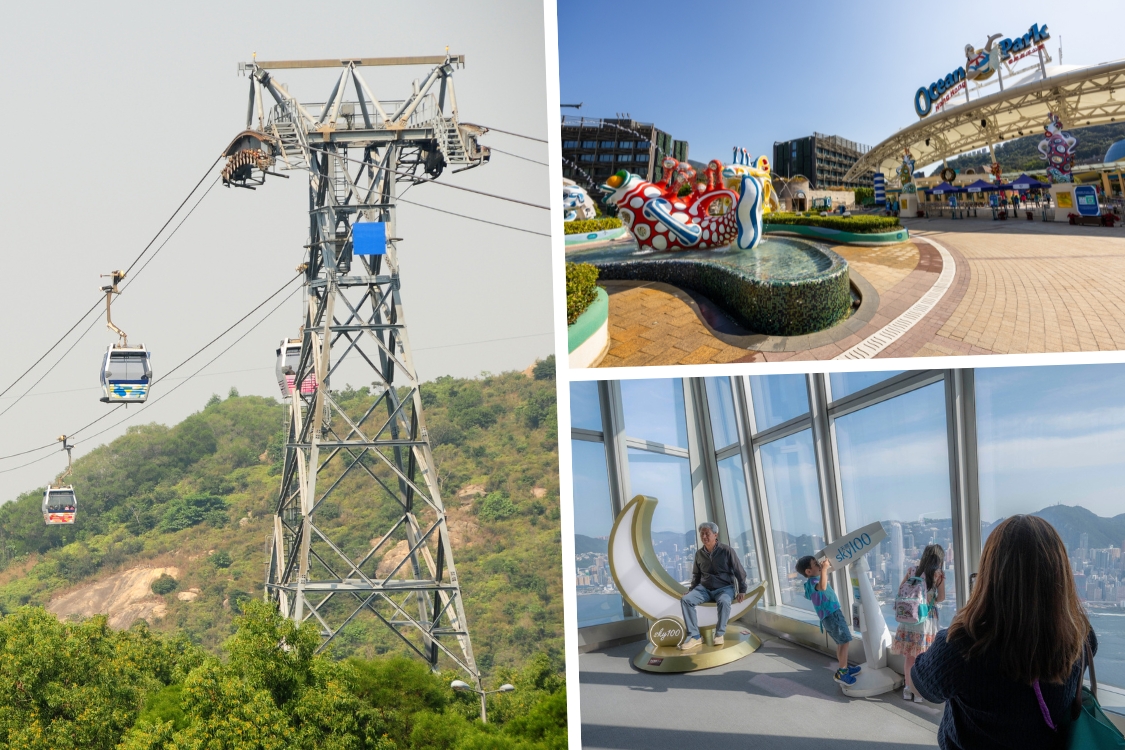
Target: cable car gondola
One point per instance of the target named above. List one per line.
(59, 503)
(126, 372)
(288, 357)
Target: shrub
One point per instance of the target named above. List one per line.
(865, 196)
(165, 584)
(585, 226)
(496, 506)
(581, 289)
(185, 512)
(221, 559)
(856, 224)
(544, 369)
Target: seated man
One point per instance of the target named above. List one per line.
(714, 577)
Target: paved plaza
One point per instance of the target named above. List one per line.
(781, 696)
(1015, 287)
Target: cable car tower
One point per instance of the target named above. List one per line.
(358, 151)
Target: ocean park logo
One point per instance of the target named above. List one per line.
(979, 65)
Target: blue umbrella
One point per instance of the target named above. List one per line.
(980, 186)
(1023, 182)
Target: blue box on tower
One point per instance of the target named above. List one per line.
(369, 238)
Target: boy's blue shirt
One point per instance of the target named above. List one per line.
(824, 602)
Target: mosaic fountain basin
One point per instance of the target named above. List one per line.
(783, 287)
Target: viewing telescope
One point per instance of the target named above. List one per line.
(851, 549)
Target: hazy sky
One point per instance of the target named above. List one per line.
(115, 110)
(721, 74)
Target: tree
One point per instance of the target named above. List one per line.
(66, 685)
(545, 369)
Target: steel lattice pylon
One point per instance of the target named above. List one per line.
(356, 152)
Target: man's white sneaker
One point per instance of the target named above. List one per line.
(718, 640)
(907, 695)
(690, 643)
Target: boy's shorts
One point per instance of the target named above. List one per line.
(837, 627)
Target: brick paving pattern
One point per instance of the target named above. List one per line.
(1019, 288)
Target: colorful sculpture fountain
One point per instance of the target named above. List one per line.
(577, 204)
(723, 210)
(784, 286)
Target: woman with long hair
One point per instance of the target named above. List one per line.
(912, 639)
(1011, 658)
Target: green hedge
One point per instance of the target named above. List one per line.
(585, 226)
(857, 224)
(581, 288)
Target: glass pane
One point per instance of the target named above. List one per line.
(135, 368)
(894, 468)
(720, 402)
(739, 530)
(598, 600)
(847, 383)
(1050, 445)
(654, 410)
(793, 498)
(585, 408)
(777, 399)
(668, 479)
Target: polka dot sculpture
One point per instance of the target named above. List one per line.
(723, 210)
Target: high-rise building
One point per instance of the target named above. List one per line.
(897, 569)
(1083, 541)
(593, 149)
(823, 159)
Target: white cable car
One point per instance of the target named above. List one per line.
(126, 374)
(126, 370)
(288, 357)
(59, 503)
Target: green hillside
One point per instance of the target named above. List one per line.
(1071, 521)
(1022, 154)
(198, 497)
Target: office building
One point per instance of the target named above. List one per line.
(823, 159)
(593, 149)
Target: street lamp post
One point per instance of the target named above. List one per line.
(463, 687)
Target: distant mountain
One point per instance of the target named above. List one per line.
(1022, 154)
(586, 544)
(1071, 521)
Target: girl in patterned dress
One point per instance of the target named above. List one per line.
(912, 639)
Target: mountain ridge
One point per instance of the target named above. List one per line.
(198, 496)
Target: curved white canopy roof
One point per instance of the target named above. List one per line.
(1079, 95)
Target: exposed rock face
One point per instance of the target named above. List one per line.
(123, 597)
(462, 525)
(471, 490)
(393, 558)
(188, 596)
(539, 492)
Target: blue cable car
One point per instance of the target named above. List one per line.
(126, 374)
(126, 370)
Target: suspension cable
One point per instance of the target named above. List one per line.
(430, 182)
(508, 132)
(157, 380)
(99, 302)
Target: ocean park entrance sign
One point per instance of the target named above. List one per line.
(980, 65)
